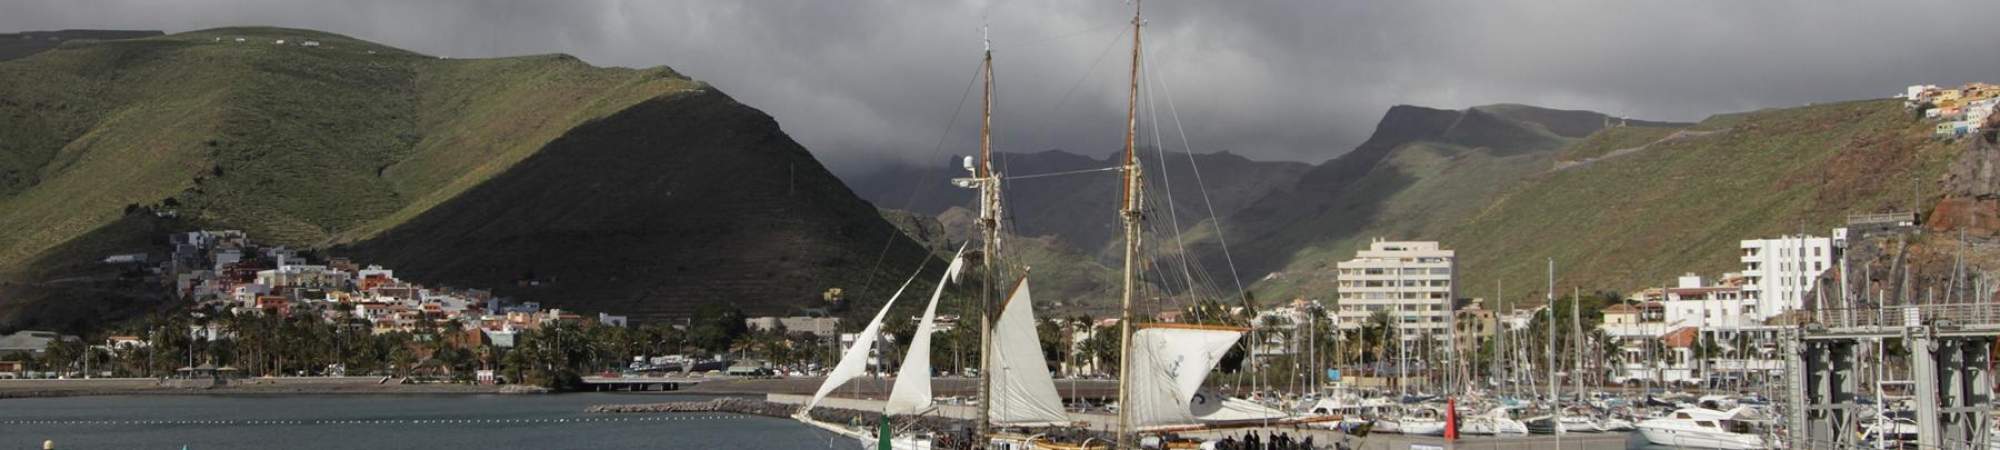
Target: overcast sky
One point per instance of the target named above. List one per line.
(860, 82)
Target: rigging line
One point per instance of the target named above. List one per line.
(928, 178)
(1007, 158)
(1167, 90)
(1055, 174)
(1080, 79)
(1159, 147)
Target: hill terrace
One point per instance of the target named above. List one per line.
(228, 271)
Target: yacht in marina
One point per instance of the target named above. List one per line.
(1704, 428)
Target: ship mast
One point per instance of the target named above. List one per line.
(989, 187)
(1131, 216)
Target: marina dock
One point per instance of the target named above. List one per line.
(1378, 441)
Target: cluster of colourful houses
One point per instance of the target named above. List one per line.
(226, 270)
(1959, 111)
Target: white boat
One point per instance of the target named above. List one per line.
(1495, 422)
(1899, 428)
(1386, 425)
(1617, 424)
(1354, 411)
(1581, 424)
(1421, 422)
(1702, 428)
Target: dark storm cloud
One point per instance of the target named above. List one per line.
(864, 81)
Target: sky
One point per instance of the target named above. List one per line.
(867, 82)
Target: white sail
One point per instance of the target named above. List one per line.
(1169, 363)
(1022, 391)
(912, 393)
(1213, 407)
(855, 361)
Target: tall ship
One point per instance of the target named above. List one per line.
(1162, 369)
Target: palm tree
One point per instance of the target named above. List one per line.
(1375, 335)
(62, 355)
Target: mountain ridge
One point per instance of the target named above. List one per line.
(357, 147)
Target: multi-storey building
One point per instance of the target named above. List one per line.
(1413, 282)
(1778, 273)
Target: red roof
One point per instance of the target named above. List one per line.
(1683, 337)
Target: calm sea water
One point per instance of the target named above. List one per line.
(399, 421)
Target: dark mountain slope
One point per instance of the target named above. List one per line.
(678, 201)
(1080, 209)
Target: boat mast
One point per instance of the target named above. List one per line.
(1131, 217)
(1555, 403)
(989, 187)
(1576, 341)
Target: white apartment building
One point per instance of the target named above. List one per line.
(1778, 273)
(1414, 281)
(1693, 302)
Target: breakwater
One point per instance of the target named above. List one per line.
(742, 405)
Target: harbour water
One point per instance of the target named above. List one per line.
(387, 421)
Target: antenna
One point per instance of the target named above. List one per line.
(984, 37)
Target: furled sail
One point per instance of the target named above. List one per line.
(1022, 391)
(855, 361)
(912, 393)
(1169, 363)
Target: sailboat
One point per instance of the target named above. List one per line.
(911, 394)
(1164, 365)
(1016, 389)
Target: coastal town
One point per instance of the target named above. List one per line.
(1691, 331)
(746, 231)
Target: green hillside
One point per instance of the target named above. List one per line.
(1423, 173)
(345, 142)
(296, 144)
(1622, 207)
(1682, 205)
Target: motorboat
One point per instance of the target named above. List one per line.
(1354, 411)
(1703, 428)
